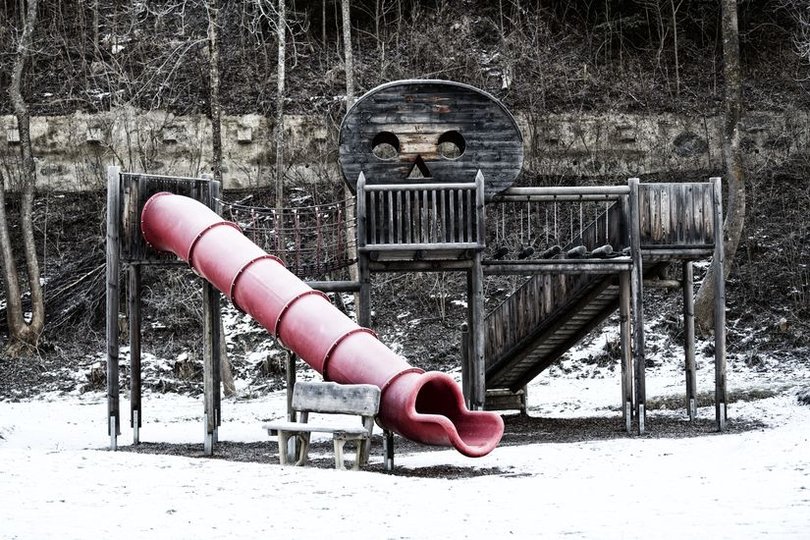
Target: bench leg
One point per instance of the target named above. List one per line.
(338, 442)
(301, 453)
(283, 440)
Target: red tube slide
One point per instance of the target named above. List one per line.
(424, 407)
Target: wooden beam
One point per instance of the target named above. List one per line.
(689, 339)
(335, 286)
(625, 332)
(466, 385)
(720, 392)
(637, 304)
(134, 307)
(113, 301)
(557, 266)
(477, 336)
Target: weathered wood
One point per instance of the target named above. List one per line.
(556, 266)
(328, 398)
(720, 391)
(637, 303)
(210, 349)
(689, 338)
(477, 351)
(113, 301)
(137, 189)
(560, 194)
(134, 308)
(625, 333)
(674, 215)
(466, 382)
(414, 117)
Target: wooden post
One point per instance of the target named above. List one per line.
(627, 350)
(720, 393)
(210, 366)
(214, 194)
(113, 301)
(465, 362)
(363, 309)
(290, 375)
(291, 378)
(689, 339)
(476, 359)
(211, 352)
(637, 304)
(134, 306)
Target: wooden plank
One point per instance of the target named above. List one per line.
(718, 261)
(330, 397)
(134, 308)
(689, 339)
(113, 301)
(637, 303)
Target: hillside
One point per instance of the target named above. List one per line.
(538, 57)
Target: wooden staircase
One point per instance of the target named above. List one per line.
(551, 312)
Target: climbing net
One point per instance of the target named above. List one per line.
(313, 240)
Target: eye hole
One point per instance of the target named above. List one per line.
(451, 145)
(385, 145)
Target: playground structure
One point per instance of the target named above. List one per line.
(425, 158)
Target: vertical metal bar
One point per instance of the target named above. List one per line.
(134, 308)
(718, 261)
(689, 339)
(637, 303)
(113, 301)
(408, 218)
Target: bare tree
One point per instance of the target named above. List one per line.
(215, 113)
(23, 334)
(281, 31)
(732, 157)
(347, 51)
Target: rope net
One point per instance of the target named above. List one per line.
(313, 240)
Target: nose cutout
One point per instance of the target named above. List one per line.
(419, 170)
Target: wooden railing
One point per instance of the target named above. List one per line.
(420, 216)
(518, 317)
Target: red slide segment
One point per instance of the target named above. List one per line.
(424, 407)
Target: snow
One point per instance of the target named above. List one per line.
(57, 480)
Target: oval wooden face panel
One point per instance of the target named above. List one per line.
(446, 131)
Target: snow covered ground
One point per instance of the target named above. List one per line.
(57, 480)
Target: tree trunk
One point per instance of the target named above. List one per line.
(347, 52)
(23, 335)
(215, 112)
(280, 87)
(732, 156)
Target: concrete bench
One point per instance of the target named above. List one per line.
(327, 398)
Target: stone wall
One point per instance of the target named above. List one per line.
(72, 152)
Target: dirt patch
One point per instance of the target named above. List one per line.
(519, 430)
